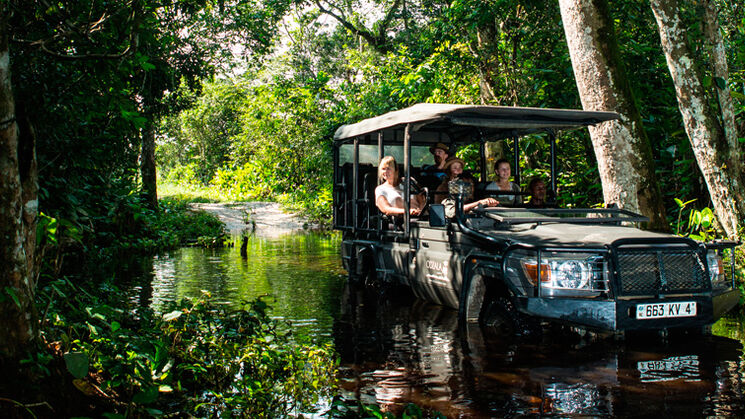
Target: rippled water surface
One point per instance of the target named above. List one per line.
(396, 349)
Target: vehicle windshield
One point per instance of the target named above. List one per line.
(547, 215)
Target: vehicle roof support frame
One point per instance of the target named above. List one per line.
(482, 153)
(334, 209)
(379, 222)
(516, 142)
(552, 139)
(355, 178)
(407, 178)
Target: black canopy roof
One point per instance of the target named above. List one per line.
(430, 121)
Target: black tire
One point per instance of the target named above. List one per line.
(500, 314)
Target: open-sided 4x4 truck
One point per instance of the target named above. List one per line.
(585, 267)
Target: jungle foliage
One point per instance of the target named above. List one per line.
(196, 358)
(276, 120)
(245, 96)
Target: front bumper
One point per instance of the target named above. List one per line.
(619, 315)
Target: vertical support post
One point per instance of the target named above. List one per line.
(407, 178)
(482, 158)
(355, 182)
(516, 141)
(552, 139)
(379, 224)
(381, 147)
(334, 189)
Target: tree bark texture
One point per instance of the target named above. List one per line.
(147, 167)
(720, 70)
(622, 148)
(18, 214)
(716, 159)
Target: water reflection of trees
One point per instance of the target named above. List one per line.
(300, 273)
(397, 350)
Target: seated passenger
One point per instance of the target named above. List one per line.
(453, 170)
(433, 175)
(503, 171)
(537, 190)
(389, 194)
(469, 204)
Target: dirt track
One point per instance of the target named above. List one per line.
(266, 219)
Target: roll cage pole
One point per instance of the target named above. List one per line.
(552, 139)
(482, 152)
(379, 223)
(355, 178)
(407, 178)
(516, 140)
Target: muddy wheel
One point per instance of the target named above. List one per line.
(500, 314)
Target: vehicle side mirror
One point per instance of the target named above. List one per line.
(437, 215)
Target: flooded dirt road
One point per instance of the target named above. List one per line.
(395, 349)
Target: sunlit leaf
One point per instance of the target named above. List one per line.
(172, 315)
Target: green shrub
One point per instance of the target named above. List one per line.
(198, 358)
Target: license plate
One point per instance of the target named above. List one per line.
(666, 310)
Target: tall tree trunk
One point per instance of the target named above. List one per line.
(720, 70)
(147, 167)
(718, 160)
(18, 214)
(622, 148)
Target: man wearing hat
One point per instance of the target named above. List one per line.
(441, 152)
(433, 175)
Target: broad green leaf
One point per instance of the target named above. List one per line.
(77, 364)
(146, 396)
(12, 293)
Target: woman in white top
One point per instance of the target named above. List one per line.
(389, 194)
(503, 171)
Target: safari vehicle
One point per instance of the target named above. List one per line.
(592, 268)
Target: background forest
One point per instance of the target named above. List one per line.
(239, 100)
(243, 97)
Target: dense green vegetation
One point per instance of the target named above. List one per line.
(243, 98)
(265, 134)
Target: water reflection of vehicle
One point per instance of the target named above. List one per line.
(394, 353)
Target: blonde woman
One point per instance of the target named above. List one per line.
(389, 194)
(503, 171)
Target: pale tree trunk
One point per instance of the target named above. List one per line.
(622, 148)
(720, 70)
(18, 214)
(147, 167)
(718, 161)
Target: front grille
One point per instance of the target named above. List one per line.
(652, 272)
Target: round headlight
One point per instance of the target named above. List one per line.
(571, 274)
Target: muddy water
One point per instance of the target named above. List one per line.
(395, 349)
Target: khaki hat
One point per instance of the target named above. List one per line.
(449, 162)
(441, 146)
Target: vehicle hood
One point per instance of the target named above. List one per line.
(576, 235)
